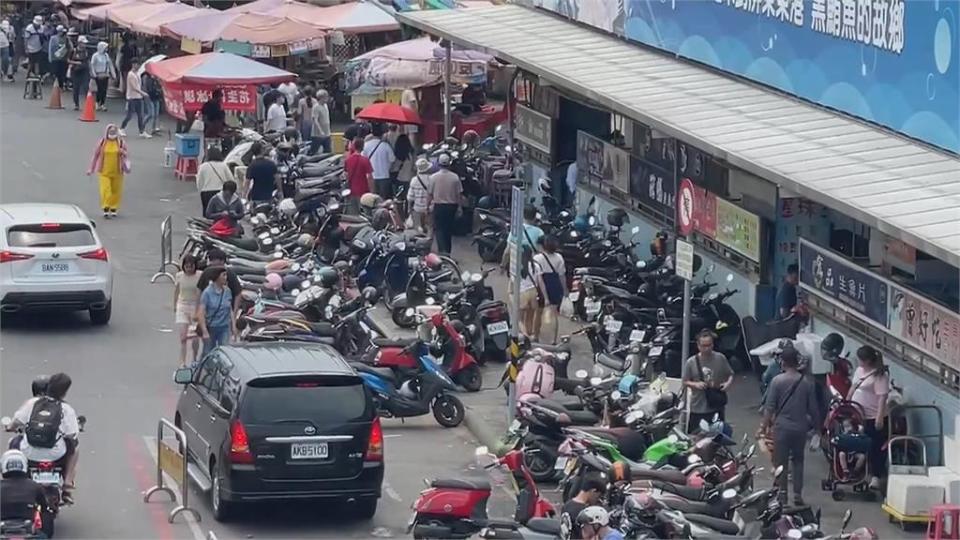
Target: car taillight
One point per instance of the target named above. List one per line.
(375, 444)
(239, 444)
(9, 256)
(97, 254)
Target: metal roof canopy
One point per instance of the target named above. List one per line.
(822, 152)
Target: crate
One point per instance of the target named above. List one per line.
(187, 144)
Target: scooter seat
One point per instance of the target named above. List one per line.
(720, 525)
(324, 329)
(461, 483)
(582, 418)
(487, 304)
(246, 244)
(545, 526)
(639, 471)
(687, 492)
(630, 443)
(571, 403)
(447, 287)
(562, 348)
(612, 362)
(386, 373)
(696, 507)
(393, 342)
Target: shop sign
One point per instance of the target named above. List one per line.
(279, 51)
(191, 46)
(235, 47)
(261, 51)
(534, 129)
(181, 99)
(691, 162)
(616, 168)
(589, 158)
(704, 212)
(653, 186)
(653, 147)
(738, 229)
(932, 329)
(844, 282)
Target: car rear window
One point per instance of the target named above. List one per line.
(326, 399)
(50, 235)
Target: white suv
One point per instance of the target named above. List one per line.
(51, 258)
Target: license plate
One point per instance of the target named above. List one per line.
(591, 306)
(515, 425)
(613, 325)
(574, 296)
(46, 477)
(571, 464)
(497, 327)
(637, 335)
(412, 262)
(54, 268)
(561, 463)
(656, 351)
(309, 451)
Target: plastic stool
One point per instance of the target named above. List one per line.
(186, 168)
(937, 525)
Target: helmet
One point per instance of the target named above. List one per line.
(470, 137)
(593, 515)
(544, 185)
(39, 385)
(487, 202)
(328, 276)
(291, 134)
(581, 224)
(380, 219)
(305, 240)
(370, 200)
(284, 146)
(287, 207)
(832, 346)
(13, 461)
(291, 282)
(273, 282)
(444, 160)
(616, 217)
(433, 261)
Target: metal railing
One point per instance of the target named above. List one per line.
(173, 461)
(166, 250)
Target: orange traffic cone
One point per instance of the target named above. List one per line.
(55, 97)
(89, 114)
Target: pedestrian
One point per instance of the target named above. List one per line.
(418, 198)
(530, 308)
(185, 299)
(708, 376)
(303, 114)
(226, 207)
(102, 70)
(446, 191)
(276, 120)
(215, 318)
(152, 103)
(6, 50)
(128, 54)
(870, 388)
(359, 174)
(790, 411)
(135, 98)
(213, 115)
(592, 488)
(33, 43)
(290, 92)
(787, 295)
(381, 157)
(262, 177)
(79, 62)
(320, 128)
(211, 175)
(58, 49)
(111, 162)
(217, 260)
(551, 281)
(359, 128)
(402, 169)
(393, 132)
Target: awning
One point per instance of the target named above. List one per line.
(351, 17)
(254, 28)
(891, 183)
(217, 68)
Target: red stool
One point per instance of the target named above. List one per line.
(186, 168)
(937, 525)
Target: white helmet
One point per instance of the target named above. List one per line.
(593, 515)
(287, 207)
(13, 461)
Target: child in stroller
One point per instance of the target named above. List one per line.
(846, 450)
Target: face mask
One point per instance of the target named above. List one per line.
(111, 135)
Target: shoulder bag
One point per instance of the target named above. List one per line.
(716, 398)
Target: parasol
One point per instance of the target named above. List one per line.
(217, 68)
(390, 112)
(413, 63)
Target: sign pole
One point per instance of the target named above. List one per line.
(516, 254)
(447, 68)
(684, 269)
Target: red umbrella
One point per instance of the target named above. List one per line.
(390, 112)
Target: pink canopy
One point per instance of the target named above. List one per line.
(217, 68)
(99, 13)
(351, 17)
(147, 18)
(255, 28)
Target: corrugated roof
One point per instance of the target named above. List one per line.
(889, 182)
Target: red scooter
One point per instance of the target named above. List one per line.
(457, 508)
(401, 355)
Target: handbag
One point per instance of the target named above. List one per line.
(716, 398)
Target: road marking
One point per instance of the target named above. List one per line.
(392, 493)
(32, 171)
(194, 525)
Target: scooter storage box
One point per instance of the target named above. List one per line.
(187, 144)
(913, 494)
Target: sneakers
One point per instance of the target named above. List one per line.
(122, 132)
(113, 213)
(874, 483)
(106, 213)
(145, 135)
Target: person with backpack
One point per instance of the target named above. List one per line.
(151, 103)
(51, 430)
(551, 283)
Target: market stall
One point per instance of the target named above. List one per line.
(100, 12)
(146, 18)
(248, 34)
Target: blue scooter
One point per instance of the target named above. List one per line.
(427, 390)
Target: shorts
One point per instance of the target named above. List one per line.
(184, 313)
(529, 299)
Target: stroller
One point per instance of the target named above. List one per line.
(847, 449)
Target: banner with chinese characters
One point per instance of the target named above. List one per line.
(603, 164)
(929, 327)
(653, 186)
(893, 62)
(180, 99)
(589, 159)
(738, 229)
(832, 276)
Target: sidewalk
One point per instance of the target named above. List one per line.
(487, 421)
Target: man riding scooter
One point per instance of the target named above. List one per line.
(21, 496)
(50, 430)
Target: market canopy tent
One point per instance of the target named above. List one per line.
(100, 13)
(413, 63)
(253, 28)
(351, 17)
(147, 18)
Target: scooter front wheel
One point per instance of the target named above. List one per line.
(448, 411)
(471, 378)
(400, 318)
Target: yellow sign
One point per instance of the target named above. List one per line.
(171, 461)
(191, 46)
(738, 229)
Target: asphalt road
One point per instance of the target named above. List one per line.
(122, 373)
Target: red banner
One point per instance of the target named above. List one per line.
(180, 98)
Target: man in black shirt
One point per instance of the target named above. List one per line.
(591, 489)
(213, 115)
(19, 495)
(264, 176)
(217, 259)
(359, 128)
(787, 297)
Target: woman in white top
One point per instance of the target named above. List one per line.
(276, 117)
(869, 388)
(551, 280)
(185, 297)
(211, 175)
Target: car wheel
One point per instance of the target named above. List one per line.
(221, 508)
(100, 317)
(365, 508)
(470, 378)
(448, 411)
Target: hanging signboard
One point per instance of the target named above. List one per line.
(705, 212)
(616, 168)
(534, 129)
(840, 280)
(589, 159)
(927, 326)
(653, 186)
(738, 229)
(191, 46)
(180, 99)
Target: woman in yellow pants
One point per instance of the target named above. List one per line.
(111, 163)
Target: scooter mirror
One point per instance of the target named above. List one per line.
(335, 206)
(539, 216)
(616, 395)
(277, 254)
(268, 241)
(635, 230)
(564, 214)
(274, 230)
(728, 494)
(5, 421)
(808, 528)
(641, 264)
(508, 149)
(633, 416)
(263, 235)
(255, 220)
(693, 458)
(430, 301)
(295, 267)
(465, 276)
(778, 471)
(345, 193)
(729, 278)
(592, 220)
(846, 516)
(581, 374)
(751, 451)
(305, 284)
(410, 312)
(672, 438)
(595, 381)
(425, 147)
(476, 277)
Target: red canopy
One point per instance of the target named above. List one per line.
(217, 68)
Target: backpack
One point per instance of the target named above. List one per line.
(536, 377)
(43, 428)
(151, 86)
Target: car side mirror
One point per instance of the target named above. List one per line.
(183, 375)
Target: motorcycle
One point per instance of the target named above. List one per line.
(487, 321)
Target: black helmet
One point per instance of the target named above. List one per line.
(487, 202)
(291, 134)
(291, 282)
(832, 346)
(328, 276)
(616, 217)
(380, 219)
(39, 385)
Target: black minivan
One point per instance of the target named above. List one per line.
(267, 421)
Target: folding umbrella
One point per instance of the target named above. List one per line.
(390, 112)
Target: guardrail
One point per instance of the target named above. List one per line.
(166, 251)
(172, 461)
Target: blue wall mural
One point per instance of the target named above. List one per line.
(893, 62)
